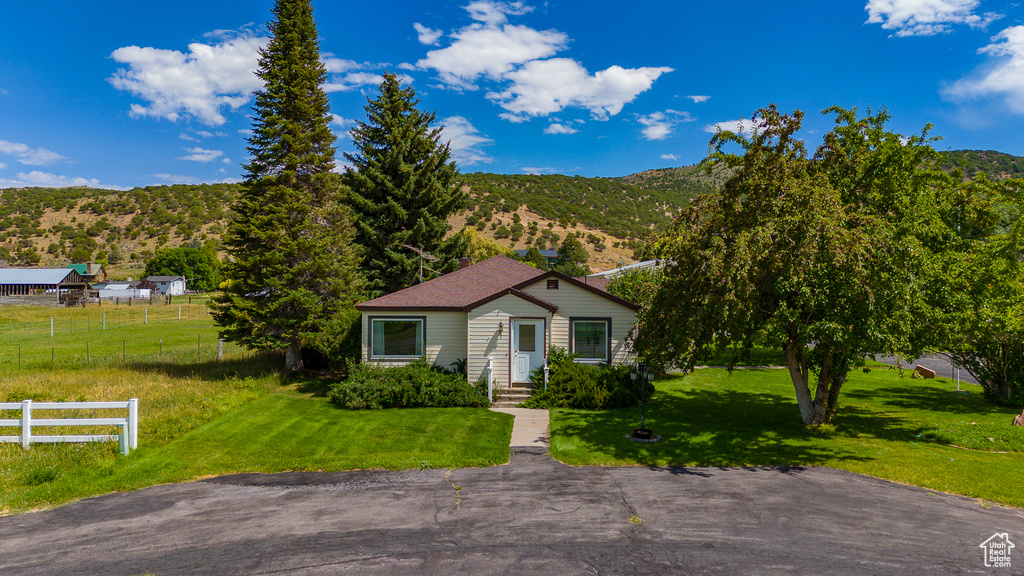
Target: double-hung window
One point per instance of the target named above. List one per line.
(591, 339)
(396, 337)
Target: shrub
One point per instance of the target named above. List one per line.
(585, 386)
(418, 384)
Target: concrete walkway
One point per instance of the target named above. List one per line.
(530, 429)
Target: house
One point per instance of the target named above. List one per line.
(499, 311)
(41, 286)
(125, 289)
(609, 274)
(169, 285)
(550, 255)
(93, 272)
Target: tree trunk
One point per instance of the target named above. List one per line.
(799, 376)
(293, 358)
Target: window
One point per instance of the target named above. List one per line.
(590, 340)
(396, 337)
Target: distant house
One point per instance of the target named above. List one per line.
(169, 285)
(43, 286)
(498, 310)
(126, 289)
(609, 274)
(549, 255)
(93, 272)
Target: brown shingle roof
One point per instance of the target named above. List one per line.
(482, 282)
(457, 289)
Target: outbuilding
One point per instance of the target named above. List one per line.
(42, 286)
(499, 312)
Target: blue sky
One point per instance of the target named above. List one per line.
(122, 94)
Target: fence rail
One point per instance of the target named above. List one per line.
(128, 428)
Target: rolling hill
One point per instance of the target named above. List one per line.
(52, 226)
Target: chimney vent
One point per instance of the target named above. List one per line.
(463, 263)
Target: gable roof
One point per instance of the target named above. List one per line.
(465, 289)
(164, 278)
(456, 290)
(39, 276)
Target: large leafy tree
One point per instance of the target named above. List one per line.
(293, 272)
(800, 253)
(199, 265)
(977, 286)
(572, 258)
(402, 189)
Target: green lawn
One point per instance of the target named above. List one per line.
(283, 431)
(199, 416)
(919, 432)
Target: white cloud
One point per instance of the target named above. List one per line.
(543, 87)
(490, 51)
(47, 180)
(198, 84)
(2, 165)
(558, 128)
(340, 121)
(495, 13)
(465, 141)
(658, 125)
(518, 60)
(699, 99)
(669, 157)
(743, 126)
(335, 65)
(427, 36)
(538, 170)
(25, 154)
(926, 17)
(359, 79)
(1005, 76)
(201, 155)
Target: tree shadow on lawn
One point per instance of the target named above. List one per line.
(727, 428)
(928, 398)
(257, 366)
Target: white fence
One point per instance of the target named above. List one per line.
(127, 428)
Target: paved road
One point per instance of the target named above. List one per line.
(939, 364)
(533, 516)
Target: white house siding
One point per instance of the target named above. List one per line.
(576, 302)
(486, 343)
(444, 342)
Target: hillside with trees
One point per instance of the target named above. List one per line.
(611, 216)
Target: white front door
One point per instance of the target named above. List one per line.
(527, 348)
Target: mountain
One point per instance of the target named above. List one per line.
(52, 226)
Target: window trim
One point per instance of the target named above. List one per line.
(423, 337)
(608, 339)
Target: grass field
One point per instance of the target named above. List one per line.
(919, 432)
(199, 416)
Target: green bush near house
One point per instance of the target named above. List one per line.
(417, 385)
(584, 386)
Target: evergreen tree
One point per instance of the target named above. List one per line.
(402, 188)
(572, 258)
(293, 275)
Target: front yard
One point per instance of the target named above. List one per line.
(919, 432)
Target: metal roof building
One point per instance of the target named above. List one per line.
(63, 285)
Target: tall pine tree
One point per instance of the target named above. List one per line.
(402, 188)
(293, 274)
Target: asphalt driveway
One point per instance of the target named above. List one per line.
(532, 516)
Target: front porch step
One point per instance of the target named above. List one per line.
(511, 397)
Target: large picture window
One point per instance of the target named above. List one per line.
(396, 337)
(590, 339)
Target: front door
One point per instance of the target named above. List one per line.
(527, 348)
